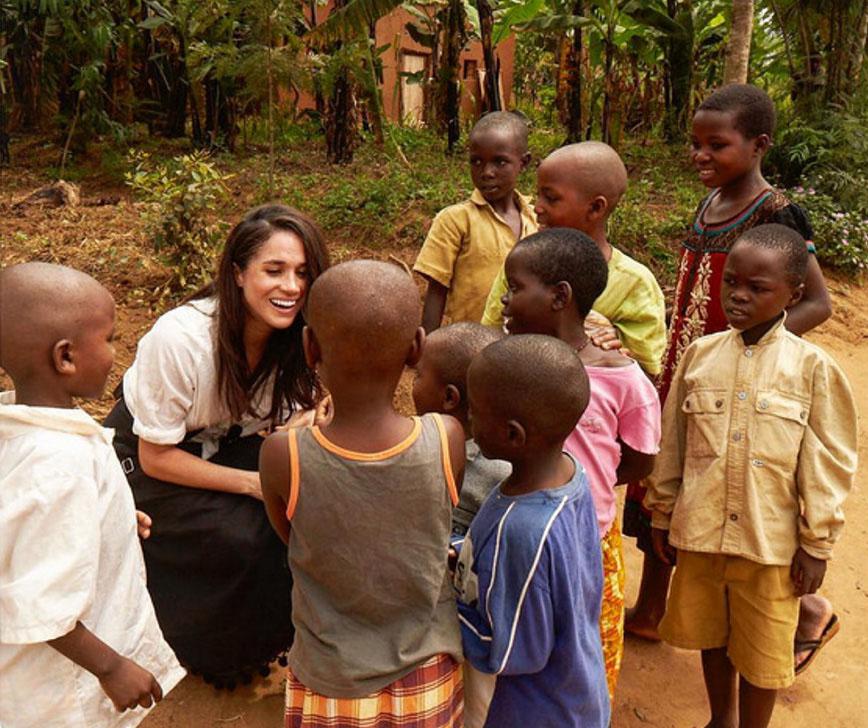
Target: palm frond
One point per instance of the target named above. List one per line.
(351, 20)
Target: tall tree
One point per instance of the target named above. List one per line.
(738, 46)
(491, 97)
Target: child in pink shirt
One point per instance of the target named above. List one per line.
(553, 279)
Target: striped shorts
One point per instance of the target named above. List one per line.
(432, 696)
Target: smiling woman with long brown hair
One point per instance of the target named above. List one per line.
(207, 379)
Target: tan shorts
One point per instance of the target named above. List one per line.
(727, 601)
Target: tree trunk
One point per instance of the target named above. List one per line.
(25, 70)
(340, 121)
(857, 54)
(319, 100)
(738, 46)
(573, 79)
(605, 131)
(451, 61)
(341, 124)
(491, 96)
(680, 63)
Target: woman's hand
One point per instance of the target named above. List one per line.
(143, 524)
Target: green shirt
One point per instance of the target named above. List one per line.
(632, 301)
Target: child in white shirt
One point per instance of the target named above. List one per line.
(79, 641)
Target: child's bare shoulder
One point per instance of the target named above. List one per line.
(274, 461)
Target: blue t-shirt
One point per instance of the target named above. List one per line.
(530, 585)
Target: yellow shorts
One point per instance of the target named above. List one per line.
(727, 601)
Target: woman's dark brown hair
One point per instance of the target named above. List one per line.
(294, 383)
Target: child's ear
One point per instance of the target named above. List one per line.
(515, 433)
(525, 160)
(598, 209)
(451, 398)
(62, 357)
(563, 294)
(312, 352)
(239, 275)
(798, 292)
(418, 345)
(762, 144)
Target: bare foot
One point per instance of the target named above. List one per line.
(641, 625)
(815, 612)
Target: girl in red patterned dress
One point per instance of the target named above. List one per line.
(732, 132)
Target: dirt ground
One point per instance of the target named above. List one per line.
(659, 686)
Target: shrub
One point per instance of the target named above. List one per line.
(182, 191)
(841, 235)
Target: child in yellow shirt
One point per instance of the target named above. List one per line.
(468, 242)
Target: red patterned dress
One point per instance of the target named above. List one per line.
(697, 309)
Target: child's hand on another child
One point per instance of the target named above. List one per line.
(662, 549)
(807, 572)
(603, 334)
(143, 524)
(128, 685)
(321, 415)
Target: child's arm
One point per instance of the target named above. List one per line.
(825, 472)
(520, 637)
(493, 314)
(634, 465)
(436, 260)
(435, 304)
(125, 683)
(638, 427)
(457, 450)
(665, 480)
(815, 305)
(643, 329)
(274, 473)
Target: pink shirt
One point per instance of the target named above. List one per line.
(624, 406)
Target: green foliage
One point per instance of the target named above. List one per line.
(829, 153)
(182, 192)
(841, 235)
(655, 213)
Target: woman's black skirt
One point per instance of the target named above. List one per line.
(217, 572)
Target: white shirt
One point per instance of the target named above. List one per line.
(171, 387)
(69, 552)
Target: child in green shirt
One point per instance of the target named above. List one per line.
(578, 186)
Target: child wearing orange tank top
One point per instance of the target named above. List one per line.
(364, 503)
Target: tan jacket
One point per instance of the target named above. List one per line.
(758, 450)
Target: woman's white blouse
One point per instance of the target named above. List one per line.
(171, 387)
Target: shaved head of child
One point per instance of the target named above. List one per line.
(578, 186)
(441, 374)
(56, 328)
(525, 391)
(363, 320)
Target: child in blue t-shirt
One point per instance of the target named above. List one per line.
(529, 576)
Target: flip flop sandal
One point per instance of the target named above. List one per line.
(814, 646)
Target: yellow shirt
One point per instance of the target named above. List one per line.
(632, 301)
(758, 450)
(464, 249)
